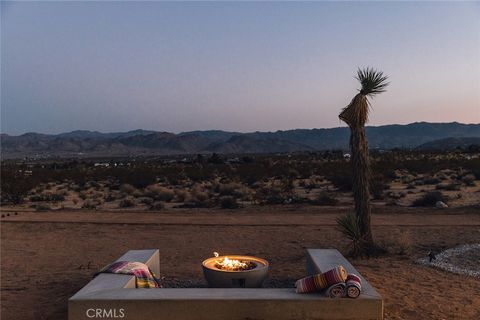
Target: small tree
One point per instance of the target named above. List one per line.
(356, 115)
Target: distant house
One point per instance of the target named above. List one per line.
(102, 164)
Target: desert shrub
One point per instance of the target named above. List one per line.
(431, 180)
(407, 178)
(90, 205)
(404, 243)
(126, 203)
(200, 196)
(227, 189)
(139, 178)
(429, 199)
(469, 180)
(137, 193)
(127, 188)
(448, 186)
(325, 199)
(15, 186)
(94, 184)
(348, 225)
(109, 198)
(96, 195)
(157, 206)
(42, 207)
(287, 184)
(228, 202)
(159, 193)
(55, 197)
(377, 187)
(311, 184)
(197, 199)
(476, 173)
(147, 201)
(270, 195)
(180, 195)
(442, 176)
(342, 180)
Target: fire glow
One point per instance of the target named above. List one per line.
(233, 264)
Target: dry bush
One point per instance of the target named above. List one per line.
(137, 193)
(270, 195)
(442, 176)
(325, 199)
(146, 201)
(47, 197)
(227, 189)
(341, 179)
(228, 202)
(180, 195)
(404, 243)
(90, 205)
(448, 186)
(42, 207)
(157, 206)
(407, 179)
(469, 180)
(429, 199)
(200, 196)
(109, 198)
(127, 188)
(431, 180)
(126, 203)
(159, 193)
(197, 199)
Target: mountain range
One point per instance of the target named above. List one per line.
(82, 143)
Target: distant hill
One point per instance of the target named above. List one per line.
(451, 144)
(83, 143)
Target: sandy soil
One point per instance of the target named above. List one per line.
(47, 256)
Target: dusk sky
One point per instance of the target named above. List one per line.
(118, 66)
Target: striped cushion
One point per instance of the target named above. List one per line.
(354, 286)
(321, 281)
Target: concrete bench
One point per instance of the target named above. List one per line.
(110, 296)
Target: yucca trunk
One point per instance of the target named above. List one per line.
(361, 179)
(355, 115)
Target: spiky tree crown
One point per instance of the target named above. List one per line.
(373, 82)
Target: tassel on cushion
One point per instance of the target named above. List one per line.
(354, 286)
(321, 281)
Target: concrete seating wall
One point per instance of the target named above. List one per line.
(111, 296)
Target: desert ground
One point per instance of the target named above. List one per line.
(48, 256)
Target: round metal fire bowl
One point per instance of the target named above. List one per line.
(218, 278)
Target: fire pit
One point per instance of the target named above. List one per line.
(235, 271)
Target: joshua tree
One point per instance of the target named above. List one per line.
(356, 115)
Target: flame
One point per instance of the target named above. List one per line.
(231, 264)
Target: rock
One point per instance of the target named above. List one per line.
(441, 204)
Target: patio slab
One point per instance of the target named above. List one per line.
(108, 298)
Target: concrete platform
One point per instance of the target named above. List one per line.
(111, 296)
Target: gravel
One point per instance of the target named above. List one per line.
(461, 260)
(182, 283)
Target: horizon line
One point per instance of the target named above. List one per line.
(234, 131)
